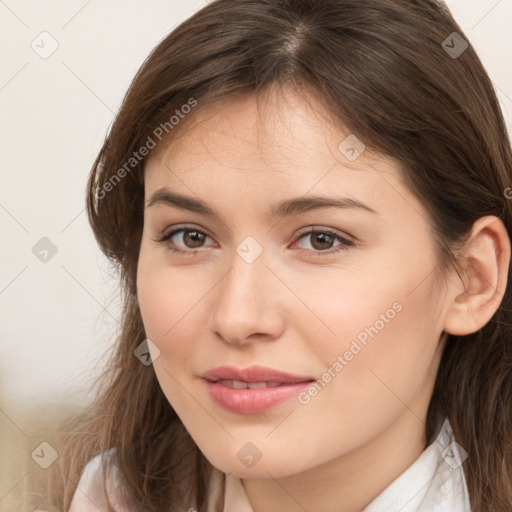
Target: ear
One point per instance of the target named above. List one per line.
(476, 297)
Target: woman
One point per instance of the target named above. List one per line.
(308, 196)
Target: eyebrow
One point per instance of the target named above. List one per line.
(288, 207)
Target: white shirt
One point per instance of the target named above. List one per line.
(435, 482)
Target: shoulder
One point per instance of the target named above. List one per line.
(90, 493)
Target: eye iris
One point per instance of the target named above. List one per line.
(323, 238)
(196, 237)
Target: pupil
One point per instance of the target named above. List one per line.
(191, 235)
(322, 237)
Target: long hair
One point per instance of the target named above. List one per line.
(397, 76)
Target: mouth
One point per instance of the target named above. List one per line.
(253, 390)
(253, 377)
(239, 384)
(248, 400)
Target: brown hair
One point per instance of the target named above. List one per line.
(382, 68)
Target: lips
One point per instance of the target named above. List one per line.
(254, 374)
(252, 390)
(252, 401)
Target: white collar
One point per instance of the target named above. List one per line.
(434, 482)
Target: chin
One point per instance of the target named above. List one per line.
(262, 469)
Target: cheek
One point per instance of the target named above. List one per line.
(165, 305)
(384, 365)
(174, 305)
(387, 331)
(164, 300)
(389, 304)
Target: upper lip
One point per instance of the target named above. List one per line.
(253, 374)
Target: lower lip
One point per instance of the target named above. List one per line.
(253, 401)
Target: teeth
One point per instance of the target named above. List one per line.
(238, 384)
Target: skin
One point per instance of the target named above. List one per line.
(297, 312)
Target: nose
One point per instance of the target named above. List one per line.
(249, 303)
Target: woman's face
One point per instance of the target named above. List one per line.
(344, 295)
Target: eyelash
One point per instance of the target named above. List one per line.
(344, 246)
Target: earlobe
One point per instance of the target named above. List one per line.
(476, 297)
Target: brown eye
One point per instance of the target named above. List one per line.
(190, 239)
(193, 238)
(322, 240)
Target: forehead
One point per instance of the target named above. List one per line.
(279, 134)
